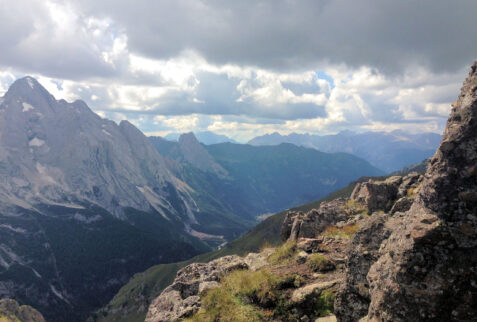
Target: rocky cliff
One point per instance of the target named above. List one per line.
(402, 249)
(59, 153)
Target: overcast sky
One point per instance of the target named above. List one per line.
(245, 68)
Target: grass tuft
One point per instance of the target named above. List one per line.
(242, 296)
(346, 232)
(324, 305)
(353, 207)
(283, 254)
(320, 263)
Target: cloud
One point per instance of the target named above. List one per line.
(53, 39)
(245, 68)
(288, 35)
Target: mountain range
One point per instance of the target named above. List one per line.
(388, 151)
(85, 203)
(253, 181)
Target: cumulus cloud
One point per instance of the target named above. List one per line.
(246, 68)
(53, 39)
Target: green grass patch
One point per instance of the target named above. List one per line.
(242, 296)
(320, 263)
(283, 254)
(346, 232)
(324, 305)
(353, 207)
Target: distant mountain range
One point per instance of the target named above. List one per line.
(205, 137)
(85, 203)
(251, 181)
(388, 151)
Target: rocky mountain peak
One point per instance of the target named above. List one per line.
(27, 90)
(450, 188)
(194, 153)
(188, 139)
(65, 151)
(25, 85)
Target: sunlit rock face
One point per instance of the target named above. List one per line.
(59, 152)
(424, 263)
(84, 204)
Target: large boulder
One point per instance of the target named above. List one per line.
(419, 261)
(353, 298)
(309, 225)
(428, 266)
(382, 195)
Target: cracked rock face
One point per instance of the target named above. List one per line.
(55, 152)
(423, 265)
(309, 225)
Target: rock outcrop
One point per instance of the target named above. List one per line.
(393, 194)
(428, 266)
(181, 299)
(310, 224)
(422, 265)
(10, 311)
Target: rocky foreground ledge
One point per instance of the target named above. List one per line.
(10, 311)
(404, 249)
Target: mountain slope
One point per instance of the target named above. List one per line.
(389, 151)
(274, 178)
(84, 204)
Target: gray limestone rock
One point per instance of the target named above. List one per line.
(181, 299)
(59, 153)
(427, 268)
(300, 225)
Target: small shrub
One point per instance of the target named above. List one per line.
(265, 245)
(320, 263)
(411, 193)
(256, 287)
(325, 303)
(283, 254)
(353, 207)
(298, 281)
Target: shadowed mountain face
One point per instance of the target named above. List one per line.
(387, 151)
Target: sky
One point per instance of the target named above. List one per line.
(250, 67)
